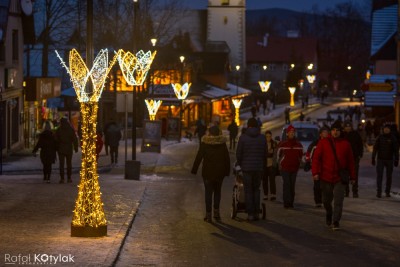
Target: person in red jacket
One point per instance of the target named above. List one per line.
(325, 169)
(290, 152)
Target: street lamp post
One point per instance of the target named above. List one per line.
(135, 7)
(182, 59)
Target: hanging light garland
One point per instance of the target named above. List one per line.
(152, 107)
(88, 218)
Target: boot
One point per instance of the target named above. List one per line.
(207, 218)
(216, 215)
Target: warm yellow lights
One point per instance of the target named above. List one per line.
(152, 107)
(80, 74)
(135, 67)
(292, 90)
(311, 78)
(181, 91)
(237, 102)
(264, 86)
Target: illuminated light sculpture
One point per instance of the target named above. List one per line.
(152, 107)
(181, 91)
(264, 86)
(237, 102)
(311, 78)
(88, 216)
(292, 90)
(135, 67)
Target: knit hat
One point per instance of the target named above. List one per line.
(290, 128)
(252, 122)
(214, 130)
(336, 125)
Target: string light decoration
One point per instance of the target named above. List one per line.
(292, 90)
(135, 67)
(237, 102)
(88, 216)
(264, 86)
(152, 107)
(181, 91)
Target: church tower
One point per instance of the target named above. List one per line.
(226, 22)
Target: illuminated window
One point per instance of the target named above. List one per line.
(225, 2)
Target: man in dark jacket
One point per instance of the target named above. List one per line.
(216, 165)
(233, 132)
(326, 169)
(357, 147)
(113, 136)
(386, 149)
(47, 146)
(251, 155)
(290, 152)
(66, 142)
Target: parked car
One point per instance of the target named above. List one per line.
(306, 133)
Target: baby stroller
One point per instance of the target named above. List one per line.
(238, 199)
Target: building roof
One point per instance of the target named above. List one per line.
(384, 25)
(280, 49)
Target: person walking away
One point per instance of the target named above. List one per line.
(213, 152)
(269, 185)
(67, 141)
(113, 136)
(251, 154)
(200, 130)
(106, 145)
(323, 133)
(361, 131)
(47, 146)
(233, 132)
(287, 115)
(386, 151)
(357, 147)
(289, 154)
(325, 168)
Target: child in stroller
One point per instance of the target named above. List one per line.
(238, 199)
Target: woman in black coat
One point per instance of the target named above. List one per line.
(216, 165)
(47, 145)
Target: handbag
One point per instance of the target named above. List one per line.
(343, 173)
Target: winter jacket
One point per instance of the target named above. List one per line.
(215, 156)
(290, 152)
(324, 163)
(386, 147)
(271, 153)
(356, 143)
(47, 145)
(251, 152)
(233, 129)
(66, 138)
(113, 135)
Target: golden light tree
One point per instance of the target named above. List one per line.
(292, 90)
(88, 217)
(264, 86)
(237, 102)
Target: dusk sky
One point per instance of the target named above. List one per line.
(298, 5)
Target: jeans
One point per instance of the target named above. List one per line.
(212, 188)
(333, 192)
(252, 183)
(114, 154)
(317, 192)
(381, 164)
(355, 185)
(68, 159)
(289, 183)
(269, 179)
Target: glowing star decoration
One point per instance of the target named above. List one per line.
(237, 102)
(311, 78)
(292, 90)
(181, 91)
(152, 107)
(264, 86)
(88, 217)
(135, 67)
